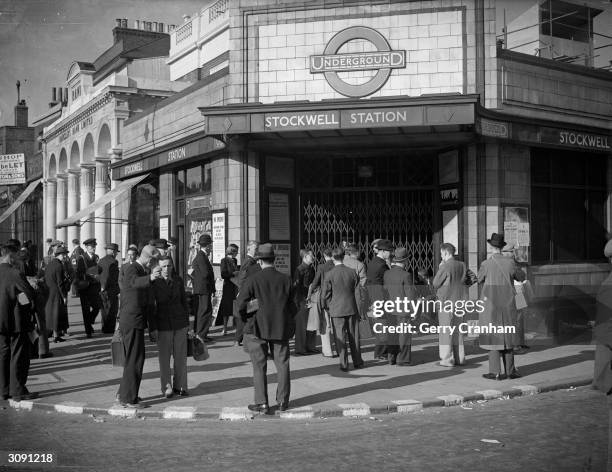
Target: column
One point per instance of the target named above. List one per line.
(73, 202)
(116, 211)
(87, 195)
(101, 223)
(50, 202)
(60, 233)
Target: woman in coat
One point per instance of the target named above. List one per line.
(168, 326)
(55, 309)
(302, 278)
(498, 274)
(229, 271)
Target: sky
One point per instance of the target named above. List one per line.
(39, 39)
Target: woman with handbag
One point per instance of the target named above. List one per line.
(229, 274)
(168, 326)
(497, 274)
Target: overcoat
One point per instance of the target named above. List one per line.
(497, 274)
(229, 269)
(203, 275)
(56, 312)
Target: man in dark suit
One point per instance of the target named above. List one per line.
(203, 286)
(375, 287)
(88, 285)
(398, 283)
(271, 325)
(15, 324)
(338, 298)
(450, 283)
(135, 298)
(109, 287)
(247, 269)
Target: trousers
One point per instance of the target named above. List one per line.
(451, 347)
(345, 327)
(173, 344)
(495, 358)
(203, 319)
(90, 306)
(110, 307)
(258, 350)
(399, 346)
(14, 363)
(134, 345)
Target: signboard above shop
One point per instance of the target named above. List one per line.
(12, 169)
(135, 166)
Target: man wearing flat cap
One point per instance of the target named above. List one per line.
(203, 287)
(375, 287)
(88, 284)
(270, 325)
(109, 287)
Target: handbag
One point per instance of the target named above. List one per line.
(198, 349)
(117, 349)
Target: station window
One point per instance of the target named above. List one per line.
(568, 195)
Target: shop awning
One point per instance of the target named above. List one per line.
(85, 214)
(20, 199)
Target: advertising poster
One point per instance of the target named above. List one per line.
(283, 258)
(219, 228)
(516, 231)
(12, 169)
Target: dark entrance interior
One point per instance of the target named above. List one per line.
(361, 197)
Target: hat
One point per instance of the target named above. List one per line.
(375, 243)
(608, 249)
(60, 250)
(173, 240)
(150, 251)
(497, 240)
(90, 242)
(113, 246)
(265, 251)
(400, 254)
(385, 245)
(57, 242)
(133, 246)
(48, 240)
(205, 240)
(159, 243)
(75, 241)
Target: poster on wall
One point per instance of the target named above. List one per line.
(282, 263)
(278, 213)
(164, 227)
(12, 169)
(219, 231)
(516, 231)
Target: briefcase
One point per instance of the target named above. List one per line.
(117, 349)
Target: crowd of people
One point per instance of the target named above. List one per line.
(327, 304)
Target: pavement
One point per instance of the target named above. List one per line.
(79, 379)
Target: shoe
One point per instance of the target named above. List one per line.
(224, 332)
(392, 360)
(5, 397)
(44, 356)
(181, 392)
(515, 375)
(444, 364)
(283, 406)
(168, 393)
(359, 366)
(58, 340)
(27, 396)
(494, 376)
(299, 354)
(344, 369)
(89, 335)
(259, 408)
(129, 405)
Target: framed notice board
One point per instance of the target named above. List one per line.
(517, 230)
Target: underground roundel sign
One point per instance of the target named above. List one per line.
(383, 60)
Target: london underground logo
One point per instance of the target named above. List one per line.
(383, 60)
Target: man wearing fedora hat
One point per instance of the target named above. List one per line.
(56, 312)
(109, 287)
(450, 283)
(270, 326)
(399, 285)
(497, 275)
(203, 286)
(88, 284)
